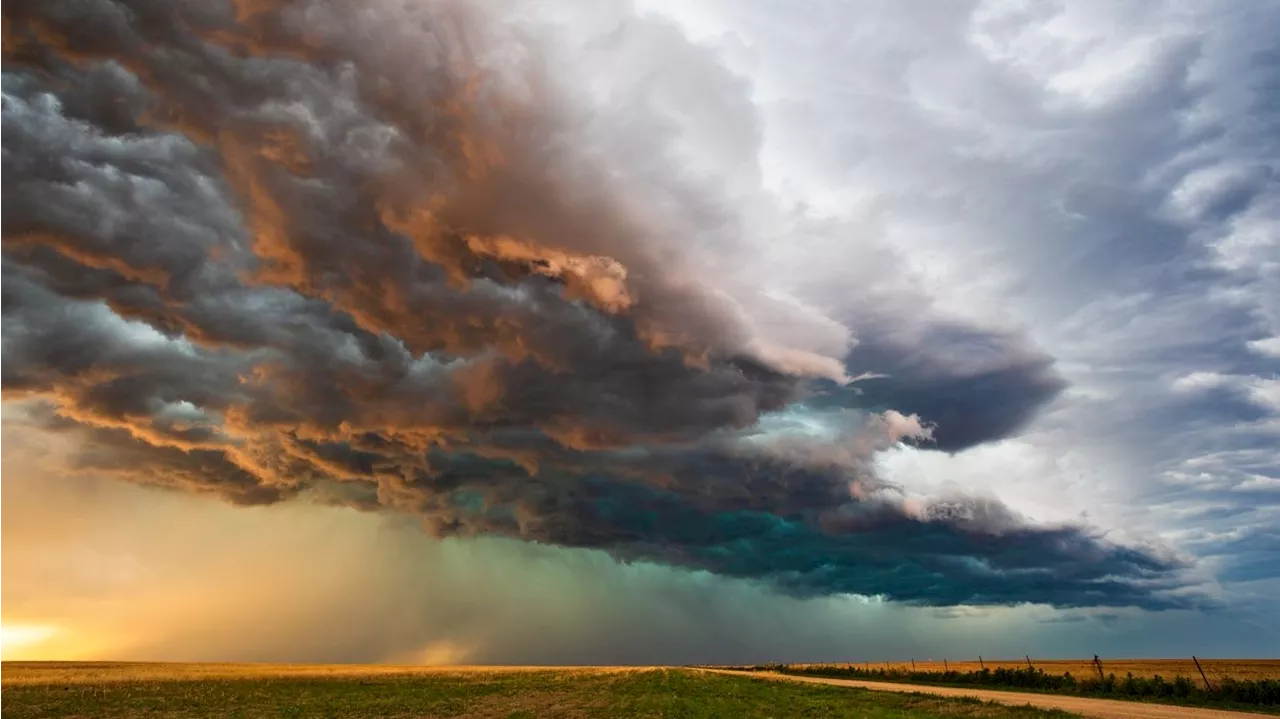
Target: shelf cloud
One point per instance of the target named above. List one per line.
(398, 257)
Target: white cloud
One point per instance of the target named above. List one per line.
(1269, 347)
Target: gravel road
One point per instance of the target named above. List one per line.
(1085, 706)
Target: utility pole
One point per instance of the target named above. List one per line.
(1207, 685)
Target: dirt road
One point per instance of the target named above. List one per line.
(1100, 708)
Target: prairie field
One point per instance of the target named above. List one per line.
(73, 673)
(1240, 669)
(184, 691)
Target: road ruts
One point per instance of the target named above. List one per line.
(1085, 706)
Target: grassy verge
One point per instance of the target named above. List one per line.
(1259, 695)
(480, 695)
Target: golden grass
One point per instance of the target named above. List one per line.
(1167, 668)
(35, 673)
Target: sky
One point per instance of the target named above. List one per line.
(658, 332)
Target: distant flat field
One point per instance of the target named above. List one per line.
(259, 691)
(30, 673)
(1167, 668)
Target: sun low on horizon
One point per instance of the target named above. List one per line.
(639, 332)
(26, 641)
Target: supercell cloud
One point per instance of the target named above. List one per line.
(461, 263)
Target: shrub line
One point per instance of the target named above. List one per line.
(1263, 693)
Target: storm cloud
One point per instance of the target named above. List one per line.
(387, 257)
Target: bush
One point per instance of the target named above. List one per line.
(1251, 692)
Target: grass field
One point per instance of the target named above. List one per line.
(165, 691)
(1240, 669)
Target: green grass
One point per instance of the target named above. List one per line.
(503, 695)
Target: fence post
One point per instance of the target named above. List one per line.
(980, 662)
(1207, 685)
(1098, 663)
(1028, 656)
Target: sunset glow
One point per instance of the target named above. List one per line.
(23, 641)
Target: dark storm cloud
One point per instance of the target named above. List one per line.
(972, 386)
(786, 525)
(866, 550)
(271, 250)
(1251, 556)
